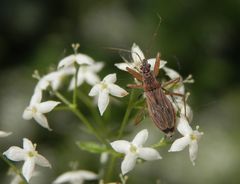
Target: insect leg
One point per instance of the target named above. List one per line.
(173, 81)
(140, 115)
(137, 86)
(156, 65)
(180, 95)
(135, 74)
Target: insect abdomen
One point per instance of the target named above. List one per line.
(161, 110)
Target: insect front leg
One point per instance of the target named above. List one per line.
(135, 74)
(135, 86)
(156, 65)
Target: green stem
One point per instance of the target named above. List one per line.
(126, 116)
(81, 117)
(110, 168)
(89, 103)
(14, 168)
(163, 142)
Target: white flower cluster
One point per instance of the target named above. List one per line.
(87, 71)
(190, 137)
(83, 68)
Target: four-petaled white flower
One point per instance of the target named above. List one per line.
(87, 73)
(75, 177)
(75, 58)
(134, 150)
(190, 137)
(4, 134)
(29, 155)
(37, 109)
(104, 88)
(54, 79)
(137, 57)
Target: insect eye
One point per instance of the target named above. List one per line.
(148, 65)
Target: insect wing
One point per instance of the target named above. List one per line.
(161, 110)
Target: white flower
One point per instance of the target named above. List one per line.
(54, 79)
(137, 57)
(78, 58)
(87, 73)
(29, 155)
(179, 87)
(75, 177)
(4, 134)
(190, 137)
(104, 88)
(134, 150)
(37, 109)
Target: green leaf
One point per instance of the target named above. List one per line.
(92, 147)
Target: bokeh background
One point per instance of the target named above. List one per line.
(196, 37)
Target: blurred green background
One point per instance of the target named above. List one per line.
(196, 37)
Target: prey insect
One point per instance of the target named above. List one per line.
(159, 106)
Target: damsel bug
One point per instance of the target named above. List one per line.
(160, 108)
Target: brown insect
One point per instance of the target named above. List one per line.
(159, 106)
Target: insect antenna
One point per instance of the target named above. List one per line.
(127, 51)
(154, 35)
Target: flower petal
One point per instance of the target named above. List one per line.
(27, 114)
(96, 67)
(42, 161)
(110, 78)
(137, 54)
(68, 177)
(152, 62)
(92, 78)
(122, 66)
(149, 154)
(28, 145)
(42, 84)
(87, 175)
(28, 168)
(47, 106)
(36, 98)
(94, 91)
(15, 153)
(103, 101)
(128, 163)
(117, 91)
(193, 150)
(41, 120)
(172, 74)
(180, 144)
(183, 126)
(4, 134)
(120, 146)
(80, 80)
(67, 61)
(84, 59)
(140, 138)
(75, 177)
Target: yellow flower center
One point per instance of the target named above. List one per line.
(34, 109)
(193, 137)
(133, 149)
(32, 153)
(104, 86)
